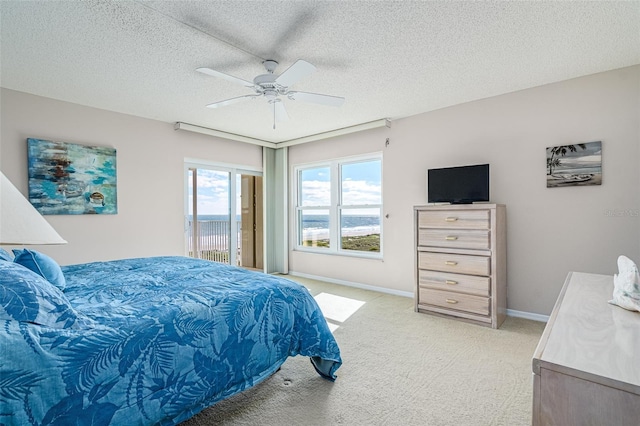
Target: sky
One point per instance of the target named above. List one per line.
(590, 157)
(592, 150)
(361, 184)
(213, 193)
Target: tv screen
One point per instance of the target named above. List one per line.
(458, 185)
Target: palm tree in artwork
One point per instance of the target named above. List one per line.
(553, 160)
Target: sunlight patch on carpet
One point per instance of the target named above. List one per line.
(337, 309)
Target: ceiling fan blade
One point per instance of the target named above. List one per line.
(299, 70)
(317, 98)
(227, 77)
(280, 111)
(231, 101)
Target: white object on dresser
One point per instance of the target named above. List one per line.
(586, 368)
(626, 285)
(461, 262)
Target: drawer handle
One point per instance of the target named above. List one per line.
(451, 238)
(451, 263)
(452, 301)
(451, 282)
(451, 219)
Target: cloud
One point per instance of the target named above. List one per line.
(354, 192)
(213, 193)
(583, 159)
(358, 192)
(316, 193)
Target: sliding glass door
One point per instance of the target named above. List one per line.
(224, 215)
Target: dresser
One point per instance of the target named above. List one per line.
(586, 368)
(461, 263)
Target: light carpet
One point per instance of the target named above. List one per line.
(399, 368)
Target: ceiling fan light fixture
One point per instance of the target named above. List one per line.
(264, 80)
(273, 86)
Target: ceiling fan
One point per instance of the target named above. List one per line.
(272, 87)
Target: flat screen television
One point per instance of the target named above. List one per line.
(458, 185)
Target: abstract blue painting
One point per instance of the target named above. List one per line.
(67, 178)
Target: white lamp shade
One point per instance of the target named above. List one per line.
(20, 222)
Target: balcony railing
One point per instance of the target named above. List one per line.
(213, 240)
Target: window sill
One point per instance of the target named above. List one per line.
(342, 253)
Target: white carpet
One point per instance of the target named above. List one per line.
(399, 368)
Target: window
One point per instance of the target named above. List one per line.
(339, 206)
(223, 214)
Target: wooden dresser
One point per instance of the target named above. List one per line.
(461, 262)
(586, 368)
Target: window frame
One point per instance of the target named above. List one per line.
(335, 208)
(234, 171)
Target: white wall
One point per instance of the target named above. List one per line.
(150, 162)
(551, 231)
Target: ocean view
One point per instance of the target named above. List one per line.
(313, 226)
(357, 233)
(316, 227)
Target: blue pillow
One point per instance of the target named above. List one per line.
(5, 255)
(26, 296)
(42, 265)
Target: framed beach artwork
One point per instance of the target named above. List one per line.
(67, 178)
(579, 164)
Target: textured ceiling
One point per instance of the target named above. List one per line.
(388, 59)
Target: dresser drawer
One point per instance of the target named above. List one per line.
(458, 301)
(454, 219)
(454, 238)
(456, 263)
(470, 284)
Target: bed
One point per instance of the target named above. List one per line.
(148, 340)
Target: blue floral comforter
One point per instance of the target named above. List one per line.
(149, 341)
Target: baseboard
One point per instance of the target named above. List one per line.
(527, 315)
(353, 284)
(510, 312)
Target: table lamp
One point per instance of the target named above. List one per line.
(20, 222)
